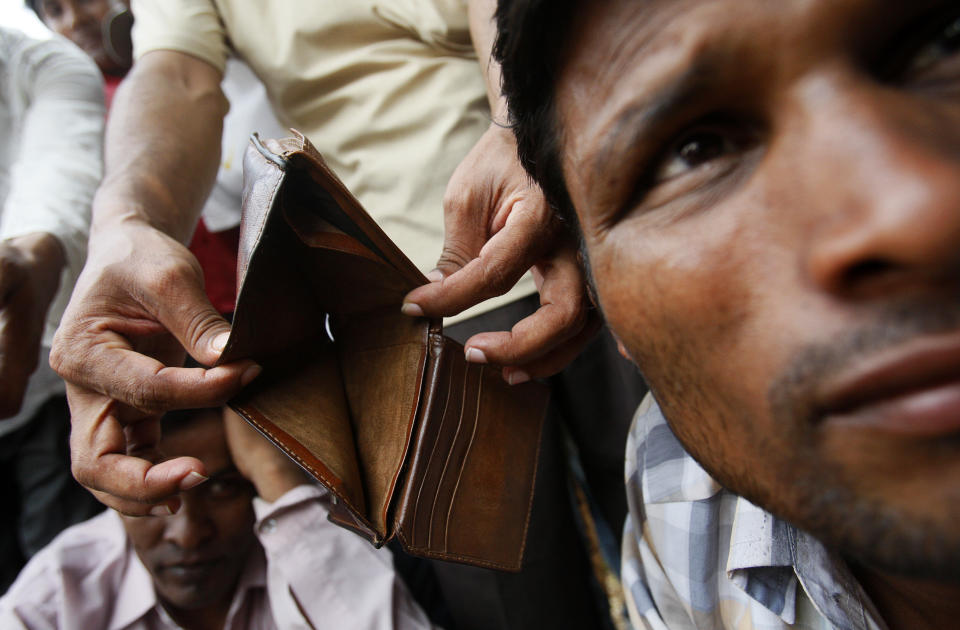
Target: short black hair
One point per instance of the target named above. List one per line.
(35, 5)
(531, 39)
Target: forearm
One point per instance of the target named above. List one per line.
(163, 145)
(483, 32)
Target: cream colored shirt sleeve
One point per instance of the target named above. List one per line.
(188, 26)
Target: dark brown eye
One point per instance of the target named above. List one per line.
(928, 57)
(697, 148)
(701, 147)
(946, 44)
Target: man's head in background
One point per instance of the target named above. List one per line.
(768, 195)
(100, 27)
(196, 556)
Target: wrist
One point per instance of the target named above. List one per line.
(273, 484)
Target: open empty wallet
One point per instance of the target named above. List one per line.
(411, 440)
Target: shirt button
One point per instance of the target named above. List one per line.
(269, 525)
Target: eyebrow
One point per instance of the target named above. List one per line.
(664, 105)
(230, 469)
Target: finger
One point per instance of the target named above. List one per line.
(563, 314)
(99, 442)
(12, 272)
(19, 349)
(186, 312)
(501, 262)
(112, 368)
(135, 508)
(135, 487)
(556, 360)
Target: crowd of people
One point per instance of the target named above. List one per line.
(756, 206)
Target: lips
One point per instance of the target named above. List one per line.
(912, 389)
(189, 567)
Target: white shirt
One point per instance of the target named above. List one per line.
(90, 577)
(51, 161)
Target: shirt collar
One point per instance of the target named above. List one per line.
(137, 598)
(768, 558)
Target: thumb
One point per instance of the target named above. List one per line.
(196, 324)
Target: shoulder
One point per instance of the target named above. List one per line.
(36, 66)
(84, 564)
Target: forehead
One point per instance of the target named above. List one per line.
(203, 437)
(632, 62)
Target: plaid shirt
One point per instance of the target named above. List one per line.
(696, 556)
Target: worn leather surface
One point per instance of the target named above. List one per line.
(412, 441)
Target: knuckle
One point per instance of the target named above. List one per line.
(167, 280)
(457, 198)
(145, 396)
(198, 324)
(497, 277)
(454, 255)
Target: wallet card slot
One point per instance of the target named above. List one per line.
(469, 489)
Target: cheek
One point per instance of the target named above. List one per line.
(677, 300)
(144, 533)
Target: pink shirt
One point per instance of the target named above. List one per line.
(89, 578)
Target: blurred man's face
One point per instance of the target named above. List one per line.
(769, 194)
(196, 556)
(81, 21)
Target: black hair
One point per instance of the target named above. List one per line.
(531, 35)
(35, 5)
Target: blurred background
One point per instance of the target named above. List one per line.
(15, 13)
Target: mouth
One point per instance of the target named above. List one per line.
(190, 570)
(912, 389)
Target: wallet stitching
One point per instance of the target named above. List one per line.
(446, 463)
(430, 459)
(316, 473)
(445, 555)
(466, 455)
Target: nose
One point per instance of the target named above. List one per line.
(880, 179)
(190, 527)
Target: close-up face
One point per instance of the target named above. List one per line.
(82, 22)
(769, 196)
(196, 556)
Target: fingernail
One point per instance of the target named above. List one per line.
(475, 355)
(411, 309)
(161, 510)
(220, 341)
(515, 377)
(435, 276)
(251, 373)
(192, 480)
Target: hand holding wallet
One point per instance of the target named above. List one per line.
(411, 440)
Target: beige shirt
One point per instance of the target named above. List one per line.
(390, 92)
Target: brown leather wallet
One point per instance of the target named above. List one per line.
(412, 441)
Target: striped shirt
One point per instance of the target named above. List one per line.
(696, 556)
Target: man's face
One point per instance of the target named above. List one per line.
(81, 21)
(196, 555)
(769, 194)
